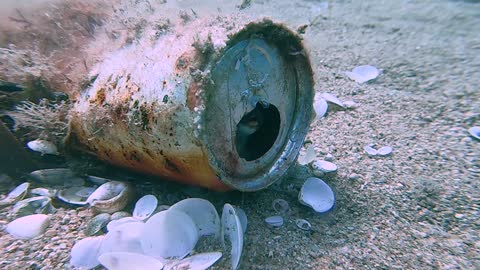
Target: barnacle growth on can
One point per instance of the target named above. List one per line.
(222, 104)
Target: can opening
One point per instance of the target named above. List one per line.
(257, 131)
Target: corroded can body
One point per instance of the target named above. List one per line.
(216, 103)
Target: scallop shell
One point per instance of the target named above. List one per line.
(363, 73)
(242, 217)
(333, 99)
(17, 194)
(324, 166)
(169, 234)
(111, 197)
(84, 254)
(317, 194)
(145, 207)
(232, 230)
(129, 260)
(475, 132)
(28, 227)
(97, 223)
(124, 238)
(42, 146)
(203, 214)
(384, 151)
(55, 176)
(73, 195)
(34, 205)
(274, 221)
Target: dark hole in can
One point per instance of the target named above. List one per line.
(257, 131)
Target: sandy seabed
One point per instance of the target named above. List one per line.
(418, 208)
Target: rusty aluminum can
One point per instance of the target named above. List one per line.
(215, 103)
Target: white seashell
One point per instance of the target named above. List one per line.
(310, 156)
(44, 147)
(84, 253)
(320, 106)
(17, 194)
(203, 214)
(275, 221)
(111, 197)
(370, 150)
(128, 261)
(55, 176)
(333, 99)
(303, 224)
(169, 234)
(317, 194)
(34, 205)
(350, 104)
(232, 230)
(324, 166)
(124, 238)
(199, 261)
(70, 196)
(384, 151)
(281, 206)
(28, 227)
(145, 207)
(242, 216)
(475, 132)
(114, 223)
(363, 73)
(48, 192)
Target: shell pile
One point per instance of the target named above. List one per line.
(158, 238)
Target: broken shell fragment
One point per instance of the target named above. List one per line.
(73, 195)
(475, 132)
(320, 107)
(55, 176)
(333, 99)
(274, 221)
(97, 180)
(145, 207)
(303, 224)
(310, 156)
(97, 223)
(199, 261)
(281, 206)
(34, 205)
(384, 151)
(324, 166)
(316, 194)
(84, 254)
(232, 230)
(203, 214)
(370, 150)
(16, 194)
(363, 73)
(42, 146)
(111, 197)
(169, 234)
(129, 260)
(28, 227)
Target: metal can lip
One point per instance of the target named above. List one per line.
(258, 108)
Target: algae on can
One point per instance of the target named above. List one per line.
(217, 103)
